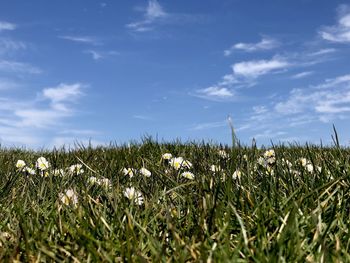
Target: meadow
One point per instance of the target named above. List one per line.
(175, 202)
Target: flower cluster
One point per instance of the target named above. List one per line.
(43, 167)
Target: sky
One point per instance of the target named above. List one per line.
(116, 71)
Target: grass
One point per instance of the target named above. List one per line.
(273, 212)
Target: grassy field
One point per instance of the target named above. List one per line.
(138, 203)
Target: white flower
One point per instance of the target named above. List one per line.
(58, 172)
(188, 175)
(215, 168)
(179, 162)
(269, 153)
(92, 180)
(319, 169)
(176, 162)
(104, 182)
(309, 167)
(76, 169)
(69, 197)
(303, 161)
(269, 156)
(128, 171)
(223, 154)
(145, 172)
(30, 171)
(167, 156)
(133, 194)
(20, 165)
(262, 161)
(237, 175)
(42, 164)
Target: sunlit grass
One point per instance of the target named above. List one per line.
(203, 203)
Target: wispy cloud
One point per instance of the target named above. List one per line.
(18, 67)
(143, 117)
(8, 46)
(98, 55)
(25, 121)
(209, 125)
(152, 14)
(82, 39)
(270, 134)
(62, 94)
(323, 52)
(266, 43)
(302, 75)
(319, 104)
(95, 54)
(325, 100)
(244, 74)
(78, 132)
(7, 84)
(7, 26)
(339, 33)
(256, 68)
(215, 93)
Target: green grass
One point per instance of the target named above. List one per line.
(272, 213)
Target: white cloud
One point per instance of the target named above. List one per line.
(154, 10)
(9, 45)
(153, 13)
(98, 55)
(323, 52)
(95, 55)
(302, 75)
(215, 93)
(63, 92)
(244, 74)
(143, 117)
(266, 43)
(269, 134)
(339, 33)
(330, 83)
(18, 67)
(39, 118)
(33, 118)
(6, 84)
(209, 125)
(329, 98)
(82, 39)
(320, 104)
(260, 109)
(79, 132)
(7, 26)
(256, 68)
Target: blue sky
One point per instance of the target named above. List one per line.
(117, 70)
